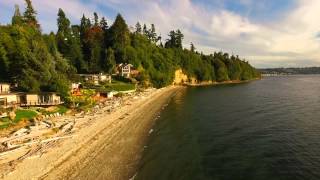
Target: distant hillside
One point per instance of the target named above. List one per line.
(288, 71)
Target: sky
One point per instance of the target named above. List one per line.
(267, 33)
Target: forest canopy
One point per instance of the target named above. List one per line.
(47, 62)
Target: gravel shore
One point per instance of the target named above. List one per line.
(108, 148)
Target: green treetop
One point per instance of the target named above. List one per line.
(104, 24)
(63, 23)
(29, 15)
(138, 28)
(17, 18)
(96, 19)
(119, 32)
(192, 48)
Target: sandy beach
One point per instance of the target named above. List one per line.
(106, 146)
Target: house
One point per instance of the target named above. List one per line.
(90, 78)
(124, 70)
(104, 78)
(96, 78)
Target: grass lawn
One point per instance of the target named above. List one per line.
(20, 115)
(24, 114)
(60, 109)
(119, 86)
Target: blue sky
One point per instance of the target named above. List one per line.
(268, 33)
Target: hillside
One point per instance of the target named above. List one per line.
(48, 62)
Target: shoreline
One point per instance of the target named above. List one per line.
(220, 83)
(115, 138)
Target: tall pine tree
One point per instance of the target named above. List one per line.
(29, 15)
(17, 18)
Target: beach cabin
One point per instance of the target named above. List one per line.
(7, 99)
(4, 88)
(41, 99)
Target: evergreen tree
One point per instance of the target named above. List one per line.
(192, 48)
(110, 62)
(138, 28)
(4, 64)
(17, 18)
(51, 42)
(145, 30)
(63, 23)
(68, 42)
(85, 26)
(96, 19)
(29, 15)
(152, 34)
(221, 70)
(104, 24)
(171, 42)
(63, 34)
(119, 38)
(119, 32)
(179, 38)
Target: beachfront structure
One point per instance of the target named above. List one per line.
(4, 88)
(96, 78)
(7, 99)
(25, 99)
(124, 70)
(41, 99)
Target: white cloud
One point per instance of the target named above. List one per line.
(229, 24)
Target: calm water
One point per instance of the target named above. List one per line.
(268, 129)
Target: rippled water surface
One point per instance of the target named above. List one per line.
(268, 129)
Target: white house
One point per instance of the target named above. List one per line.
(125, 70)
